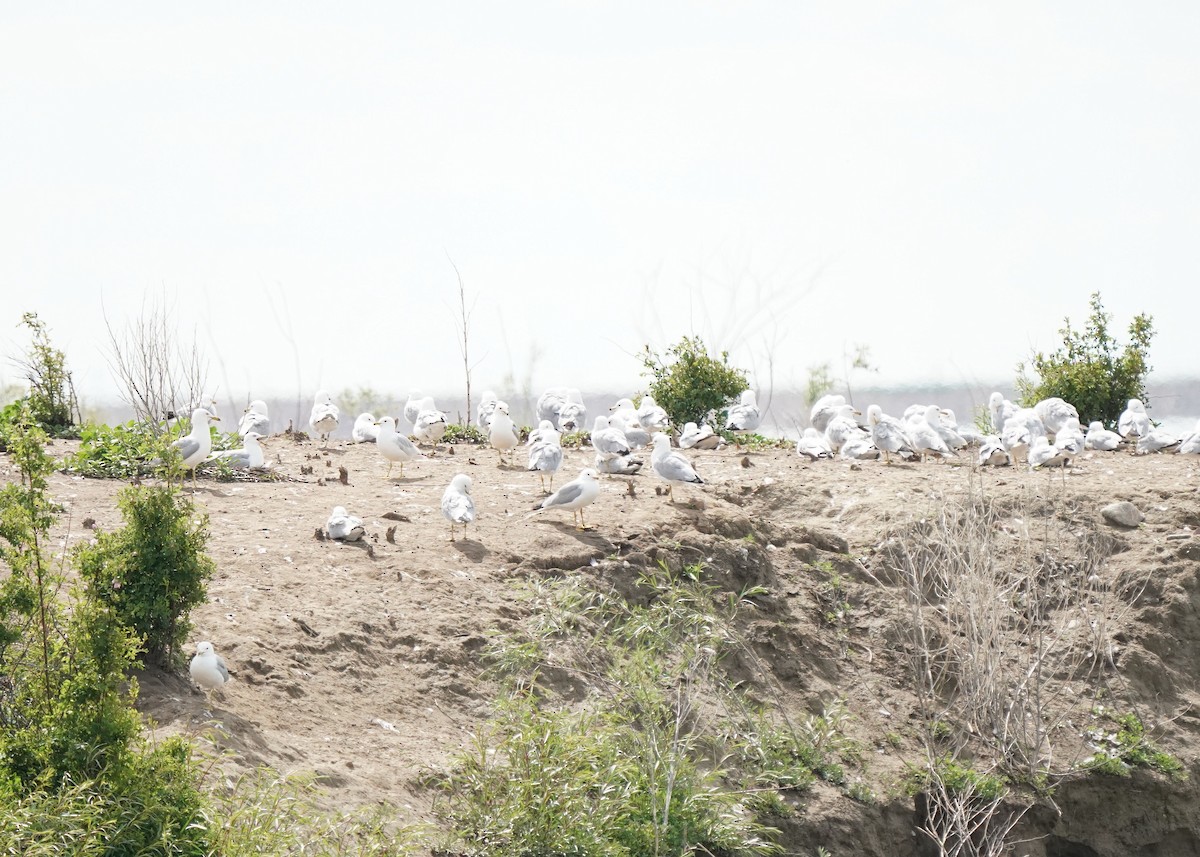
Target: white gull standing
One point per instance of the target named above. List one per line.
(672, 466)
(195, 446)
(394, 446)
(573, 496)
(1134, 421)
(502, 434)
(208, 669)
(744, 416)
(545, 452)
(255, 419)
(457, 505)
(324, 416)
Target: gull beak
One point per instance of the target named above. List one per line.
(215, 418)
(857, 413)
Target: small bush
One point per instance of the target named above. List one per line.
(1118, 753)
(51, 395)
(688, 383)
(153, 571)
(1090, 370)
(135, 449)
(465, 433)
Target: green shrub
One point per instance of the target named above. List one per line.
(1090, 370)
(688, 383)
(51, 394)
(136, 449)
(152, 571)
(465, 433)
(1118, 753)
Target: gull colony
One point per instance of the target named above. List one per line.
(1047, 436)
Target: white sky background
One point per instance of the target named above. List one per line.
(942, 182)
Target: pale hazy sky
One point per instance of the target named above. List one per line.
(941, 181)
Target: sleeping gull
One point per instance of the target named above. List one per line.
(208, 669)
(503, 433)
(457, 505)
(1070, 437)
(825, 409)
(1055, 413)
(1042, 453)
(993, 454)
(572, 415)
(1156, 440)
(563, 406)
(621, 465)
(671, 466)
(1098, 437)
(249, 457)
(966, 431)
(636, 437)
(573, 496)
(344, 527)
(254, 419)
(545, 452)
(744, 416)
(324, 416)
(651, 415)
(195, 446)
(483, 414)
(1134, 421)
(394, 446)
(608, 441)
(813, 445)
(888, 435)
(859, 448)
(925, 438)
(842, 426)
(430, 424)
(699, 437)
(365, 429)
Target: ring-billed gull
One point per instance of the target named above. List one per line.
(841, 426)
(255, 419)
(1001, 410)
(249, 457)
(608, 441)
(344, 527)
(1055, 413)
(457, 505)
(394, 446)
(625, 410)
(969, 434)
(574, 496)
(636, 437)
(545, 452)
(925, 437)
(888, 435)
(208, 669)
(483, 414)
(503, 432)
(621, 465)
(699, 437)
(413, 406)
(813, 445)
(1042, 453)
(672, 466)
(430, 424)
(571, 416)
(825, 409)
(993, 454)
(1134, 421)
(859, 448)
(365, 429)
(1070, 437)
(1189, 444)
(195, 446)
(324, 416)
(652, 416)
(1098, 437)
(744, 416)
(563, 406)
(1156, 440)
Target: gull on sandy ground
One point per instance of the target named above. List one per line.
(842, 426)
(825, 409)
(607, 440)
(413, 406)
(888, 435)
(652, 416)
(483, 413)
(672, 466)
(1055, 413)
(636, 436)
(1134, 421)
(1156, 440)
(430, 424)
(255, 419)
(502, 434)
(622, 465)
(936, 418)
(926, 439)
(195, 446)
(1189, 444)
(969, 434)
(572, 415)
(1070, 437)
(1042, 453)
(859, 448)
(625, 410)
(1001, 411)
(744, 416)
(365, 429)
(1100, 438)
(993, 454)
(564, 407)
(344, 527)
(394, 446)
(208, 669)
(324, 416)
(249, 457)
(457, 505)
(813, 445)
(545, 452)
(698, 437)
(573, 496)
